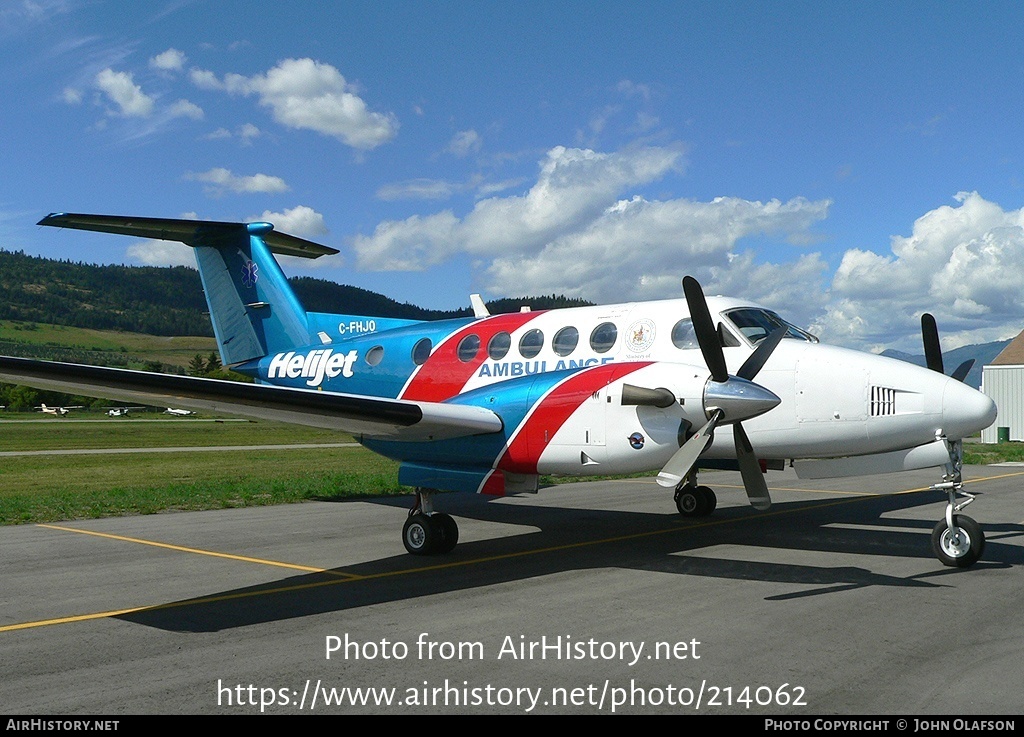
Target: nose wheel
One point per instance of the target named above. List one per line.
(957, 540)
(961, 545)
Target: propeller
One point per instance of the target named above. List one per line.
(933, 351)
(726, 398)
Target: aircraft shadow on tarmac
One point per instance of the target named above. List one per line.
(582, 539)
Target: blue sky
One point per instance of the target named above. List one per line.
(849, 164)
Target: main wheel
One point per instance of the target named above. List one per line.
(449, 530)
(419, 535)
(695, 501)
(688, 501)
(710, 500)
(960, 546)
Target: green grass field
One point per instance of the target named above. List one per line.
(44, 488)
(173, 351)
(40, 488)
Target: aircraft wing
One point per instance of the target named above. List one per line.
(191, 232)
(360, 415)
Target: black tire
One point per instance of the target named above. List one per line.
(419, 535)
(710, 500)
(961, 547)
(448, 529)
(695, 501)
(688, 501)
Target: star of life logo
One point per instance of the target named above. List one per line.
(314, 366)
(250, 273)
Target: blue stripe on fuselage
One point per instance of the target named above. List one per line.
(511, 399)
(342, 366)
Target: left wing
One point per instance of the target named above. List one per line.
(395, 419)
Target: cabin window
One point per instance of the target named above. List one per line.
(375, 355)
(603, 337)
(469, 347)
(565, 341)
(421, 351)
(498, 345)
(683, 335)
(531, 343)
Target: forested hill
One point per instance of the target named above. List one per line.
(169, 300)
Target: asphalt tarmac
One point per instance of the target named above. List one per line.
(586, 598)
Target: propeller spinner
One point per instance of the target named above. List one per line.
(727, 399)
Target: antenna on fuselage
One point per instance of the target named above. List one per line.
(479, 308)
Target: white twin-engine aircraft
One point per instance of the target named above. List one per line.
(488, 403)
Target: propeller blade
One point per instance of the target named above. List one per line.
(750, 469)
(704, 327)
(963, 369)
(680, 464)
(757, 359)
(932, 349)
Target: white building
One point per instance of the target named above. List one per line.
(1003, 381)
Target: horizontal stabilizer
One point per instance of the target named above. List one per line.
(394, 419)
(189, 232)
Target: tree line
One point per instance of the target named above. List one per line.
(169, 300)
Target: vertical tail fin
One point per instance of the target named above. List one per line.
(252, 306)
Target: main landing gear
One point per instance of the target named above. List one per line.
(427, 532)
(693, 500)
(957, 540)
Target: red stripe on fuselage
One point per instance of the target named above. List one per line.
(539, 428)
(443, 375)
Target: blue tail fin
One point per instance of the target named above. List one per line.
(252, 306)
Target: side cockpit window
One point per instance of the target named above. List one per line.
(755, 324)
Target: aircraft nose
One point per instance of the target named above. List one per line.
(965, 410)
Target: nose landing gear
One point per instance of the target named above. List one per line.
(957, 540)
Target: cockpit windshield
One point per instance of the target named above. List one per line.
(756, 324)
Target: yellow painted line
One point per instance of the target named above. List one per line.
(343, 578)
(68, 620)
(196, 551)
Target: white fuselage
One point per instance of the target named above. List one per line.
(834, 401)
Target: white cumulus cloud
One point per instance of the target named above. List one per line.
(185, 109)
(161, 253)
(573, 233)
(220, 180)
(310, 95)
(122, 90)
(300, 220)
(573, 187)
(964, 263)
(171, 60)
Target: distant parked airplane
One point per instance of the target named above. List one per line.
(57, 411)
